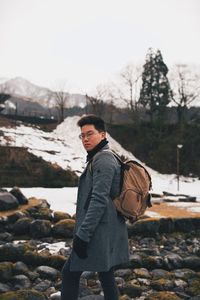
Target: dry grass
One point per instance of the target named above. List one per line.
(166, 210)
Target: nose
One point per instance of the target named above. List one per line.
(85, 137)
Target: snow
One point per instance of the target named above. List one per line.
(62, 146)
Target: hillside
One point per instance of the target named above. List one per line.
(63, 148)
(21, 168)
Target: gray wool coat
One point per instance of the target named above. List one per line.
(97, 221)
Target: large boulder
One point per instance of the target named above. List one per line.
(19, 196)
(8, 201)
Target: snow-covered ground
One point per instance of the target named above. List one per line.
(62, 146)
(64, 199)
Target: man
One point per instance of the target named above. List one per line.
(100, 236)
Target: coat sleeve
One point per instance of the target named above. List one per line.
(103, 169)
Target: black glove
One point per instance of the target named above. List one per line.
(80, 247)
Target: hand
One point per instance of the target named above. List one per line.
(80, 247)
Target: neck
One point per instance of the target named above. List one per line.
(96, 149)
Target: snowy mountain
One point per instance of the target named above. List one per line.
(21, 87)
(63, 147)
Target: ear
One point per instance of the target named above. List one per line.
(104, 134)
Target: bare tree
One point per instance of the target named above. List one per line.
(95, 105)
(61, 100)
(129, 91)
(185, 84)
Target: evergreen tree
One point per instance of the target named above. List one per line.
(155, 93)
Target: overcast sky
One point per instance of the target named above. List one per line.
(87, 42)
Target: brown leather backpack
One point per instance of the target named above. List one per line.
(134, 197)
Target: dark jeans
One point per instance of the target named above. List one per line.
(70, 284)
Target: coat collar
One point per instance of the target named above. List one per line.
(106, 147)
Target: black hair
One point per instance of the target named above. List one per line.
(92, 120)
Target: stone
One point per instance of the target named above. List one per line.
(20, 268)
(59, 215)
(192, 262)
(42, 286)
(22, 226)
(162, 284)
(163, 296)
(21, 281)
(55, 296)
(4, 288)
(142, 272)
(173, 261)
(40, 228)
(64, 228)
(124, 273)
(132, 290)
(23, 295)
(6, 271)
(48, 272)
(6, 237)
(92, 297)
(159, 273)
(7, 201)
(19, 195)
(183, 224)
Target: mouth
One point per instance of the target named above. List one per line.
(86, 145)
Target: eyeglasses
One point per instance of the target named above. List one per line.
(87, 135)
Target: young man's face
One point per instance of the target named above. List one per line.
(91, 136)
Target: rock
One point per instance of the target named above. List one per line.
(145, 227)
(59, 215)
(166, 225)
(48, 272)
(20, 268)
(55, 296)
(142, 272)
(162, 284)
(124, 297)
(41, 212)
(173, 261)
(23, 295)
(19, 196)
(132, 290)
(124, 273)
(21, 281)
(6, 271)
(42, 286)
(194, 287)
(22, 226)
(135, 261)
(4, 288)
(64, 228)
(153, 262)
(183, 224)
(16, 216)
(14, 252)
(183, 274)
(180, 283)
(163, 296)
(7, 201)
(40, 228)
(192, 262)
(6, 237)
(159, 273)
(92, 297)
